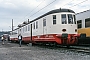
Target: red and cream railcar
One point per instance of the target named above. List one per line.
(57, 26)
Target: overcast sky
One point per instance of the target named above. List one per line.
(22, 10)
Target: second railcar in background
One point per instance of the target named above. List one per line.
(55, 27)
(83, 22)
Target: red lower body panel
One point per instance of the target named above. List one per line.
(50, 38)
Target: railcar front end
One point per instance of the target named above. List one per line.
(62, 31)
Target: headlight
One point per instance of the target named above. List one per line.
(75, 30)
(64, 30)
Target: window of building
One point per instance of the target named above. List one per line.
(44, 22)
(79, 23)
(36, 24)
(54, 19)
(87, 22)
(70, 19)
(63, 18)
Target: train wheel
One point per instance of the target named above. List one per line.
(68, 46)
(55, 44)
(33, 44)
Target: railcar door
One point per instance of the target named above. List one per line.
(44, 26)
(44, 30)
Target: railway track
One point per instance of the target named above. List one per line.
(82, 49)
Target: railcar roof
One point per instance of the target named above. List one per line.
(50, 12)
(54, 11)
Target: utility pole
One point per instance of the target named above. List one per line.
(12, 24)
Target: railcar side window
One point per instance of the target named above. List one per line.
(44, 22)
(20, 31)
(87, 22)
(23, 29)
(63, 18)
(28, 27)
(70, 19)
(79, 23)
(36, 24)
(54, 19)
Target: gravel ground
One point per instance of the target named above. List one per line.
(12, 51)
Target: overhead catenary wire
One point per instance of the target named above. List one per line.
(61, 6)
(43, 8)
(67, 3)
(78, 3)
(34, 8)
(50, 4)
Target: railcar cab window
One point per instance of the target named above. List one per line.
(63, 18)
(74, 19)
(44, 22)
(70, 19)
(54, 19)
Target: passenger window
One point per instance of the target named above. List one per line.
(23, 29)
(70, 19)
(54, 19)
(36, 24)
(44, 22)
(63, 18)
(28, 27)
